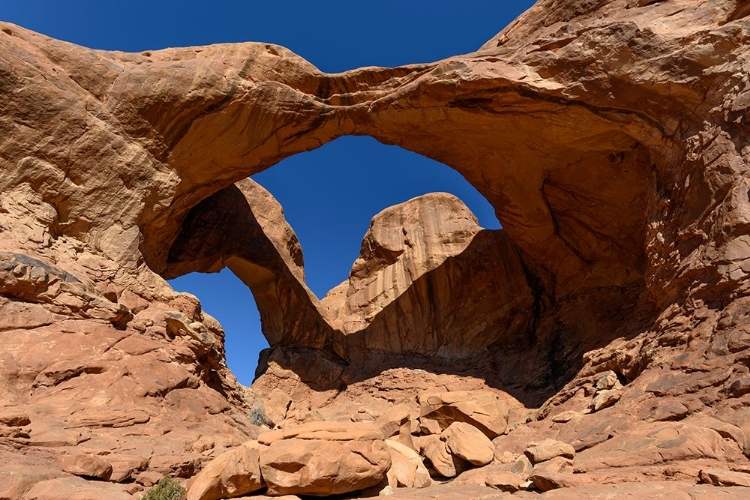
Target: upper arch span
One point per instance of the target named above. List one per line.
(610, 147)
(189, 122)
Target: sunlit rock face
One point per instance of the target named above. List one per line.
(243, 227)
(421, 263)
(610, 136)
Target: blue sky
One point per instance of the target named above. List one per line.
(330, 194)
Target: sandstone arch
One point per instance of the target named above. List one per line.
(611, 137)
(243, 228)
(594, 131)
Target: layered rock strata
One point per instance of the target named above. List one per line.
(611, 138)
(101, 384)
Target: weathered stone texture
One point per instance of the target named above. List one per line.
(611, 138)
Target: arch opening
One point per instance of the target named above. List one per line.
(225, 297)
(326, 208)
(338, 188)
(574, 202)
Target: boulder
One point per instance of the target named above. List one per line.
(740, 387)
(565, 416)
(12, 417)
(86, 465)
(441, 460)
(604, 399)
(234, 473)
(126, 467)
(149, 478)
(607, 380)
(323, 458)
(407, 469)
(469, 443)
(547, 450)
(483, 409)
(556, 473)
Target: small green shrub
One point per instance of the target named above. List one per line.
(258, 415)
(166, 489)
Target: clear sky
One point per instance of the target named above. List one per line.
(329, 195)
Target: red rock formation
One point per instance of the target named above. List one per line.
(421, 262)
(609, 136)
(243, 227)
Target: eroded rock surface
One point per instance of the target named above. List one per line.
(611, 138)
(232, 474)
(323, 458)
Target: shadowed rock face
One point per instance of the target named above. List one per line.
(243, 227)
(610, 136)
(421, 262)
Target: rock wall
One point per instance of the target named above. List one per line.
(610, 136)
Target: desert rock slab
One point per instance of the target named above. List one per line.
(75, 488)
(323, 458)
(652, 490)
(483, 409)
(232, 474)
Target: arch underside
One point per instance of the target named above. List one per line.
(571, 182)
(599, 145)
(565, 276)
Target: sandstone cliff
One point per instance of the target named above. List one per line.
(610, 136)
